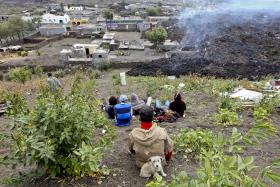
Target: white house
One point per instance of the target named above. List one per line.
(55, 19)
(69, 8)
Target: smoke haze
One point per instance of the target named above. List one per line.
(208, 18)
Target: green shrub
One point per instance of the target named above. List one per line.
(225, 117)
(59, 73)
(93, 74)
(17, 104)
(22, 53)
(192, 142)
(104, 66)
(230, 104)
(57, 134)
(20, 75)
(219, 167)
(38, 70)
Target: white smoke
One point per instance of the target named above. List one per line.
(208, 18)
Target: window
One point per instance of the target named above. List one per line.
(99, 56)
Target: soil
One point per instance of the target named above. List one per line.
(124, 172)
(242, 51)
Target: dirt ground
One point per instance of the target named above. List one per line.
(124, 173)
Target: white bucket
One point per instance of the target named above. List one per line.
(123, 80)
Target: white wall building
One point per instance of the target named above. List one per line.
(55, 19)
(69, 8)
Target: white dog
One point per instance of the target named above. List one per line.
(154, 165)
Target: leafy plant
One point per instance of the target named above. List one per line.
(38, 70)
(17, 104)
(20, 75)
(225, 167)
(228, 103)
(225, 118)
(59, 73)
(192, 142)
(157, 35)
(57, 134)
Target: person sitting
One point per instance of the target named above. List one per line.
(136, 103)
(53, 83)
(178, 105)
(149, 140)
(109, 107)
(123, 112)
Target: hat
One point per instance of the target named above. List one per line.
(123, 98)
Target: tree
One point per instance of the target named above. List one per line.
(14, 26)
(108, 15)
(153, 11)
(17, 26)
(157, 35)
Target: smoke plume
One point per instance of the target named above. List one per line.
(208, 18)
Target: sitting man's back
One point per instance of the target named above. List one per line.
(123, 112)
(149, 140)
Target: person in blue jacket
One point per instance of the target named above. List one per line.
(123, 112)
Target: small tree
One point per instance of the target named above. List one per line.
(20, 75)
(153, 11)
(66, 135)
(157, 35)
(108, 15)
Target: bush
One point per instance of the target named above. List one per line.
(22, 53)
(38, 70)
(157, 35)
(225, 117)
(230, 104)
(17, 104)
(57, 134)
(192, 142)
(20, 75)
(104, 66)
(59, 73)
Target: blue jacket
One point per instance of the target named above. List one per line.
(123, 114)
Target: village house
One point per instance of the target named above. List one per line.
(157, 18)
(53, 30)
(87, 54)
(55, 19)
(54, 7)
(69, 8)
(122, 23)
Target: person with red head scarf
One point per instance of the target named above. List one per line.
(178, 105)
(149, 140)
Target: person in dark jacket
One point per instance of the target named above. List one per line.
(178, 105)
(109, 108)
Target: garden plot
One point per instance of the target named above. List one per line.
(206, 111)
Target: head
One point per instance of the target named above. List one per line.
(123, 98)
(113, 101)
(49, 74)
(156, 162)
(177, 97)
(146, 114)
(134, 98)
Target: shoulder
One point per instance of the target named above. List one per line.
(161, 131)
(135, 131)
